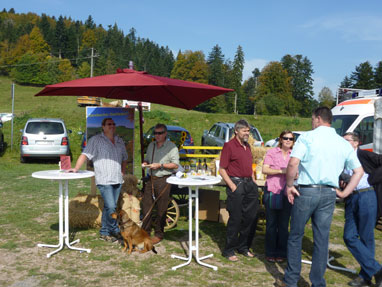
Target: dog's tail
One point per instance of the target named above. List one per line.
(153, 250)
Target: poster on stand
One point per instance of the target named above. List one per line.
(124, 121)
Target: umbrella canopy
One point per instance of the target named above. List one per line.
(133, 85)
(138, 86)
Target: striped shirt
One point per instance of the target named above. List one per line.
(107, 158)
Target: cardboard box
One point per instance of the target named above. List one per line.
(209, 204)
(223, 213)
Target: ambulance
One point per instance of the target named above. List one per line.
(355, 113)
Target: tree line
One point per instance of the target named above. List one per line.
(41, 50)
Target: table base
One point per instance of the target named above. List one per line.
(330, 259)
(63, 237)
(191, 246)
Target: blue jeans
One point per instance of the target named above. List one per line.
(360, 218)
(110, 195)
(277, 224)
(317, 204)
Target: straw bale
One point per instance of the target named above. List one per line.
(129, 199)
(85, 211)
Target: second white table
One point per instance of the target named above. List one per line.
(193, 182)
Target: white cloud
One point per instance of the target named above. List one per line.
(352, 28)
(251, 64)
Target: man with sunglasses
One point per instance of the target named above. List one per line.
(108, 153)
(162, 158)
(319, 156)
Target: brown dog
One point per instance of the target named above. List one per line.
(132, 234)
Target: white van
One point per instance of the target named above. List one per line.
(357, 115)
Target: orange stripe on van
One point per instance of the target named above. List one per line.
(356, 102)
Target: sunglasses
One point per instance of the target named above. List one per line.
(110, 124)
(159, 133)
(286, 138)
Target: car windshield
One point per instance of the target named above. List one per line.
(47, 128)
(342, 123)
(254, 134)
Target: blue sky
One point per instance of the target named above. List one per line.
(335, 35)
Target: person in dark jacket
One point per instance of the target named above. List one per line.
(361, 216)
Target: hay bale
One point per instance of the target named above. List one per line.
(85, 211)
(129, 199)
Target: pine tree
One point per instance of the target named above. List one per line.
(363, 76)
(300, 70)
(346, 83)
(378, 75)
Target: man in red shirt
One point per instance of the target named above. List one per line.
(242, 194)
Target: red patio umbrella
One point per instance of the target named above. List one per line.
(133, 85)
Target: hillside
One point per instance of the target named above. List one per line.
(27, 106)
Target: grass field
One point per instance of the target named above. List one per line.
(29, 215)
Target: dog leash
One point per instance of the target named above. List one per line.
(155, 201)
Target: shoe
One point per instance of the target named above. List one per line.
(359, 282)
(232, 258)
(378, 278)
(271, 259)
(280, 259)
(156, 240)
(117, 236)
(247, 253)
(108, 238)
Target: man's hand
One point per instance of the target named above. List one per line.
(72, 170)
(292, 192)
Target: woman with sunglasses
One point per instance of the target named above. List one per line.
(277, 207)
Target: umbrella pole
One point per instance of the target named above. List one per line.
(141, 134)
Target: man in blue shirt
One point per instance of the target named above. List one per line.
(360, 219)
(318, 157)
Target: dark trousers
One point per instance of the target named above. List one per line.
(277, 228)
(242, 206)
(360, 217)
(159, 221)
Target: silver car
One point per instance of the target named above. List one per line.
(44, 138)
(221, 133)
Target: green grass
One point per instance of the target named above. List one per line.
(29, 215)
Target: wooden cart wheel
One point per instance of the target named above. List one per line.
(172, 214)
(181, 198)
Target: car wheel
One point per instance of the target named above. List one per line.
(23, 159)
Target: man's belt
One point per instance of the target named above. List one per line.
(315, 186)
(363, 189)
(245, 179)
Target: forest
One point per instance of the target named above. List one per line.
(39, 50)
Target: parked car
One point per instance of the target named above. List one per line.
(44, 138)
(4, 117)
(174, 134)
(221, 133)
(274, 142)
(1, 136)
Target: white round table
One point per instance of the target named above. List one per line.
(193, 182)
(63, 178)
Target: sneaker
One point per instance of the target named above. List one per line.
(117, 236)
(108, 238)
